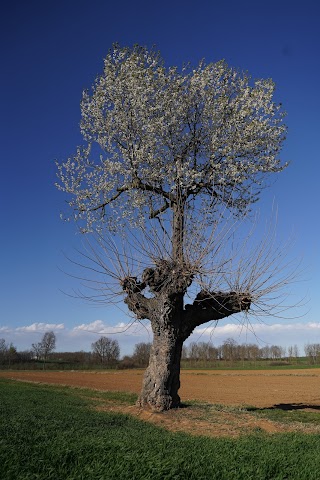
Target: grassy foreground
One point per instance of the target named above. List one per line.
(54, 433)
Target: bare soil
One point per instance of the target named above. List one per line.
(287, 390)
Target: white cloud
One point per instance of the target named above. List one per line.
(258, 328)
(41, 327)
(99, 327)
(5, 329)
(283, 334)
(81, 336)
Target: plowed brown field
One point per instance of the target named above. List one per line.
(266, 388)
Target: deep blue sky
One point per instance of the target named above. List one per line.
(51, 51)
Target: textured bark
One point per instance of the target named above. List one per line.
(162, 378)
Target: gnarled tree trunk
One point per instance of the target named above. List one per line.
(162, 378)
(172, 322)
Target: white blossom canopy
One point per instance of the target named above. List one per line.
(164, 133)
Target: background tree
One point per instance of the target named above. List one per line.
(37, 350)
(265, 352)
(229, 349)
(107, 350)
(7, 352)
(293, 352)
(26, 356)
(193, 352)
(43, 349)
(201, 351)
(171, 158)
(184, 352)
(312, 350)
(3, 350)
(12, 354)
(48, 344)
(277, 352)
(141, 354)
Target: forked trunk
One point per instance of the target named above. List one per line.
(162, 377)
(172, 322)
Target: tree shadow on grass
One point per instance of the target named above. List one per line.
(285, 407)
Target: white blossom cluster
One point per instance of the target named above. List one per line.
(165, 133)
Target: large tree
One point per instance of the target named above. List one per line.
(170, 155)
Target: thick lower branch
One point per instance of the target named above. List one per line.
(139, 305)
(136, 301)
(209, 306)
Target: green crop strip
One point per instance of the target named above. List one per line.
(54, 433)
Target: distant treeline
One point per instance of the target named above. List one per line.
(106, 354)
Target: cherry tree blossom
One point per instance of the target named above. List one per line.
(171, 158)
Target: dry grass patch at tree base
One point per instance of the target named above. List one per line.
(211, 420)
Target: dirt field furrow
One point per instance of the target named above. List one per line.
(235, 387)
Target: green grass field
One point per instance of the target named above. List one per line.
(51, 432)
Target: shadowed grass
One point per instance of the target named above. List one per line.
(120, 398)
(288, 414)
(282, 413)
